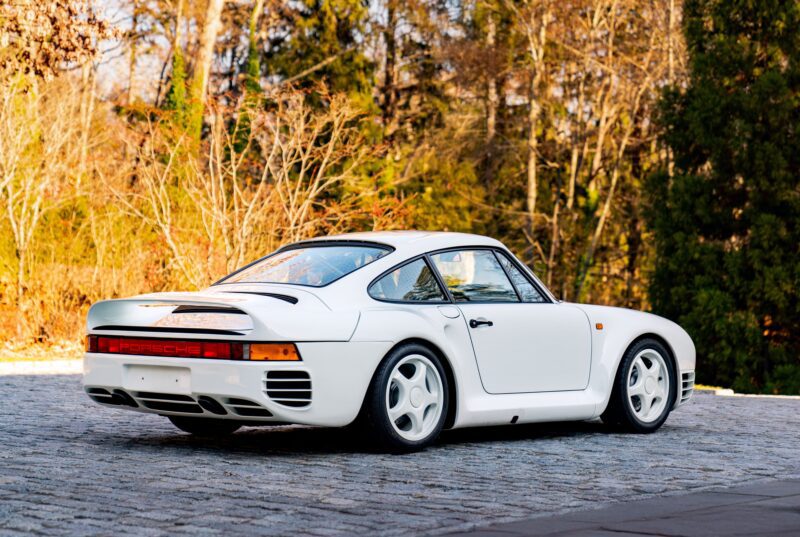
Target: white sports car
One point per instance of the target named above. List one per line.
(403, 333)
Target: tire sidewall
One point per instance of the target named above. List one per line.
(621, 386)
(377, 413)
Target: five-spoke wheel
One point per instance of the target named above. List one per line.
(406, 405)
(648, 385)
(414, 397)
(644, 389)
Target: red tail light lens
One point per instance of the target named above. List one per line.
(175, 348)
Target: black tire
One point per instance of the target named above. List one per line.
(208, 427)
(374, 421)
(619, 414)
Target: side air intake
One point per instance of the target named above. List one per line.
(288, 388)
(687, 386)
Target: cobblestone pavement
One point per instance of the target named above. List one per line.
(68, 466)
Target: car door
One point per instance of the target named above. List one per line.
(523, 341)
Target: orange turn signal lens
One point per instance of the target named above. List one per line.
(274, 352)
(599, 326)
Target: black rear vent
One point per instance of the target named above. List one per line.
(117, 397)
(164, 396)
(251, 411)
(169, 402)
(289, 388)
(245, 407)
(185, 404)
(207, 309)
(99, 395)
(241, 402)
(186, 408)
(212, 405)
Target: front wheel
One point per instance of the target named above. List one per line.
(406, 405)
(644, 389)
(205, 426)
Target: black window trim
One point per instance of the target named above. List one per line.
(508, 275)
(323, 243)
(512, 260)
(473, 248)
(424, 257)
(442, 286)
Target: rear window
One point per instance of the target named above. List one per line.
(315, 266)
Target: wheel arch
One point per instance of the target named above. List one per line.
(452, 396)
(663, 341)
(670, 356)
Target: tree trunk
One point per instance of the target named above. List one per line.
(533, 156)
(253, 60)
(205, 51)
(390, 74)
(551, 259)
(133, 51)
(491, 90)
(491, 105)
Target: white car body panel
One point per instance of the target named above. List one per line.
(560, 367)
(531, 347)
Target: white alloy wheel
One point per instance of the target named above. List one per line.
(648, 385)
(414, 397)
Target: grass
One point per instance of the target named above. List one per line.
(65, 350)
(706, 387)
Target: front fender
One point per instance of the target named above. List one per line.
(621, 327)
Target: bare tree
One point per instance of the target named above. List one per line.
(534, 18)
(39, 145)
(302, 154)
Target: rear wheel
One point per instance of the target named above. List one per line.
(205, 426)
(644, 388)
(406, 405)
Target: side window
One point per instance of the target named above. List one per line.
(413, 282)
(474, 276)
(527, 291)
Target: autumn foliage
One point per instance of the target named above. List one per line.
(189, 138)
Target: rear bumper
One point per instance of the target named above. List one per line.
(326, 388)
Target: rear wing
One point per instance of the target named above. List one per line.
(228, 315)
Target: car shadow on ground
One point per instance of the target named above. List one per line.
(296, 440)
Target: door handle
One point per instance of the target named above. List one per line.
(475, 323)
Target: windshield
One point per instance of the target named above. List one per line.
(315, 265)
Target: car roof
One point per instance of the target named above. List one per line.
(423, 240)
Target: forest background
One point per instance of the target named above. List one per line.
(637, 153)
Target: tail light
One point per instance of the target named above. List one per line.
(274, 352)
(177, 348)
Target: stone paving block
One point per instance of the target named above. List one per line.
(71, 467)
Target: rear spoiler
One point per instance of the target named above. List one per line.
(249, 316)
